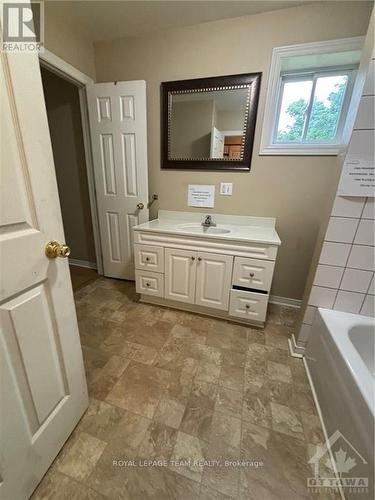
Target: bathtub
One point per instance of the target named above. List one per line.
(340, 365)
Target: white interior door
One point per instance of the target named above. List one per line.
(180, 269)
(118, 126)
(43, 388)
(217, 143)
(214, 273)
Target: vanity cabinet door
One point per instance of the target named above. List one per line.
(214, 274)
(180, 270)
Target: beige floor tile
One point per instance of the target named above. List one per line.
(225, 430)
(223, 474)
(129, 432)
(169, 412)
(158, 442)
(139, 389)
(207, 493)
(208, 372)
(312, 428)
(80, 459)
(279, 371)
(57, 486)
(257, 406)
(100, 419)
(188, 456)
(285, 420)
(232, 377)
(229, 402)
(197, 419)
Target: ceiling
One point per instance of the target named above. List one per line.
(106, 20)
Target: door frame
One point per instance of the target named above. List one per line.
(80, 80)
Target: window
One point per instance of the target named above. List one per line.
(307, 105)
(311, 108)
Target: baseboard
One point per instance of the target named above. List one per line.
(295, 350)
(83, 263)
(285, 301)
(326, 437)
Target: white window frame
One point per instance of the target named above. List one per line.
(271, 114)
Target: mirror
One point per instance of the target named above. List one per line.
(209, 123)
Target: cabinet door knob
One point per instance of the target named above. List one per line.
(247, 306)
(199, 258)
(147, 259)
(193, 258)
(251, 275)
(147, 284)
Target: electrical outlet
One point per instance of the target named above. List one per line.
(226, 188)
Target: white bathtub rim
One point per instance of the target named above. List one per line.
(338, 324)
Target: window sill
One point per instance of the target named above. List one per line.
(300, 151)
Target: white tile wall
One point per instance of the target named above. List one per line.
(322, 297)
(368, 307)
(341, 229)
(309, 315)
(334, 254)
(346, 206)
(328, 276)
(369, 210)
(365, 115)
(349, 301)
(345, 277)
(355, 280)
(361, 257)
(365, 233)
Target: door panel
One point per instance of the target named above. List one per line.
(214, 274)
(180, 270)
(43, 389)
(119, 142)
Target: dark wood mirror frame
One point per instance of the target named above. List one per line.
(230, 82)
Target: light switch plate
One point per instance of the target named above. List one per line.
(226, 188)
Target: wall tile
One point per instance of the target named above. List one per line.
(322, 297)
(348, 206)
(361, 257)
(368, 307)
(341, 229)
(371, 289)
(365, 232)
(369, 210)
(309, 315)
(355, 280)
(362, 143)
(328, 276)
(349, 301)
(369, 87)
(365, 114)
(334, 254)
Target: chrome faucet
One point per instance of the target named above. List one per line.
(208, 222)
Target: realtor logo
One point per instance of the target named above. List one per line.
(23, 29)
(346, 471)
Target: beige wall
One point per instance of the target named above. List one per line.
(295, 190)
(64, 120)
(68, 42)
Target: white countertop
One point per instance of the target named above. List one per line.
(241, 228)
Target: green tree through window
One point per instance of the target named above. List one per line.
(323, 121)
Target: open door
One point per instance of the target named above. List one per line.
(43, 390)
(118, 124)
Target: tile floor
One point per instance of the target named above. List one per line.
(187, 392)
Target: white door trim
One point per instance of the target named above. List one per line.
(68, 72)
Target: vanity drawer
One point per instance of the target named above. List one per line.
(253, 273)
(149, 257)
(248, 305)
(149, 283)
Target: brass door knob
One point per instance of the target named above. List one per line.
(140, 206)
(55, 249)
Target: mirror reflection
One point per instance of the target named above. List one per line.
(207, 124)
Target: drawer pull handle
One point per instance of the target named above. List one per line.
(247, 306)
(147, 259)
(147, 284)
(193, 258)
(199, 258)
(251, 275)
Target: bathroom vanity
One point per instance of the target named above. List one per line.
(223, 268)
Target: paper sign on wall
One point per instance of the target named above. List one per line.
(358, 176)
(200, 195)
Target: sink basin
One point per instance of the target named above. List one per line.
(199, 229)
